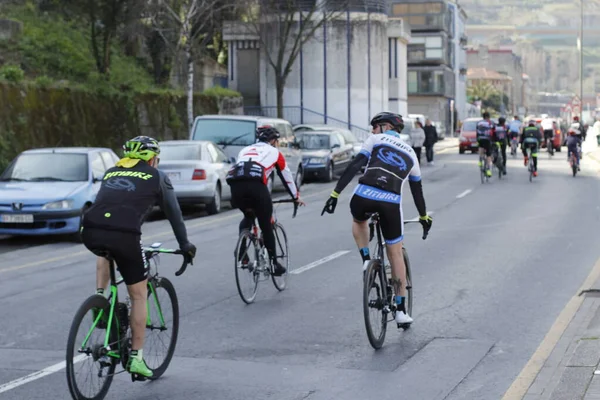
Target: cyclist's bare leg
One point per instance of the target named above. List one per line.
(394, 252)
(360, 231)
(138, 293)
(102, 273)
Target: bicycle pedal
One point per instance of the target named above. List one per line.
(138, 377)
(404, 326)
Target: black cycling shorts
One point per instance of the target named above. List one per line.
(548, 134)
(124, 247)
(485, 144)
(390, 216)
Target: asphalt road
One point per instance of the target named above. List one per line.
(499, 265)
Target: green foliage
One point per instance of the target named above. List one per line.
(12, 73)
(218, 91)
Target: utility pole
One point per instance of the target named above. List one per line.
(581, 63)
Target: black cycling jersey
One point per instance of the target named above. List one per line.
(126, 197)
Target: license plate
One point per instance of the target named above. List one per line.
(173, 176)
(17, 218)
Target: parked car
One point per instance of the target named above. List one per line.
(45, 191)
(349, 137)
(197, 170)
(234, 132)
(324, 153)
(558, 139)
(467, 139)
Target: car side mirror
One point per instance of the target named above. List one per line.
(97, 179)
(335, 146)
(295, 145)
(231, 160)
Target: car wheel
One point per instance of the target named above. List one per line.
(215, 205)
(270, 183)
(299, 177)
(329, 173)
(461, 151)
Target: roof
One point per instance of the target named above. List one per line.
(238, 117)
(486, 74)
(80, 150)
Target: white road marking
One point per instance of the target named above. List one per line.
(463, 194)
(416, 219)
(319, 262)
(39, 374)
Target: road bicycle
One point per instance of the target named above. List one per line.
(254, 265)
(530, 166)
(483, 167)
(514, 142)
(550, 147)
(573, 162)
(106, 342)
(377, 276)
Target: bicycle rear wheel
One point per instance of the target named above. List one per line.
(246, 269)
(409, 291)
(375, 308)
(162, 329)
(281, 255)
(87, 348)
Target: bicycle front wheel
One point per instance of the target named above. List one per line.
(246, 267)
(281, 255)
(162, 325)
(85, 346)
(375, 307)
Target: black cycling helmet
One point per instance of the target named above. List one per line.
(531, 122)
(486, 115)
(388, 118)
(266, 133)
(501, 121)
(142, 147)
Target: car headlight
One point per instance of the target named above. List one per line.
(58, 205)
(321, 160)
(463, 139)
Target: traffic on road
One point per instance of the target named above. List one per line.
(305, 310)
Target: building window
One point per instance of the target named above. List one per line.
(426, 48)
(417, 8)
(412, 82)
(425, 82)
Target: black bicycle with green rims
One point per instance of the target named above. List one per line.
(109, 319)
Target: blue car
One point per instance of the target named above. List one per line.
(45, 191)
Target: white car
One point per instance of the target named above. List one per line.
(197, 170)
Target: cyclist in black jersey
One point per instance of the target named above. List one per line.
(128, 193)
(389, 164)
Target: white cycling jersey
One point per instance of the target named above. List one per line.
(258, 161)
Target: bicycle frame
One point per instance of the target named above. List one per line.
(113, 297)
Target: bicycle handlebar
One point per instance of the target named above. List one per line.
(288, 201)
(185, 263)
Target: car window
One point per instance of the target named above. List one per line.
(108, 159)
(177, 152)
(348, 137)
(224, 131)
(341, 138)
(40, 167)
(212, 152)
(221, 156)
(98, 168)
(335, 139)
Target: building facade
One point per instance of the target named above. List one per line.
(436, 65)
(352, 68)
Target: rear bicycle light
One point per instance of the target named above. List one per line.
(199, 175)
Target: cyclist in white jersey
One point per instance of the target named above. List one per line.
(389, 164)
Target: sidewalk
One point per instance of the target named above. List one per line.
(447, 143)
(566, 365)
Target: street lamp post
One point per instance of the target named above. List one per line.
(581, 62)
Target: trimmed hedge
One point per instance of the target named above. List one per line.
(34, 117)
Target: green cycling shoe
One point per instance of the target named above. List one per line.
(139, 367)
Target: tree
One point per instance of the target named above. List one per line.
(104, 18)
(283, 27)
(188, 25)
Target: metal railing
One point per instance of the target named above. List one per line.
(297, 115)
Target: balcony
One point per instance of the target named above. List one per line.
(431, 81)
(429, 49)
(428, 23)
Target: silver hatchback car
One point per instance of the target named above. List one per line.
(197, 170)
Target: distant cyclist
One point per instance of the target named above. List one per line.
(128, 193)
(514, 128)
(501, 136)
(531, 139)
(485, 135)
(390, 162)
(574, 143)
(548, 128)
(249, 193)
